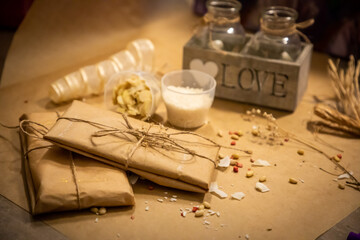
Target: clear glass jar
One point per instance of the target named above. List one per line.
(222, 29)
(278, 37)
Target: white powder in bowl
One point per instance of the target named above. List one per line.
(186, 107)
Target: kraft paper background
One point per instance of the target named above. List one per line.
(57, 37)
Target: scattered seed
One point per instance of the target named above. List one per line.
(339, 155)
(341, 186)
(206, 205)
(249, 174)
(102, 211)
(293, 181)
(220, 133)
(201, 207)
(94, 210)
(336, 158)
(236, 169)
(233, 143)
(235, 137)
(235, 156)
(240, 165)
(199, 213)
(300, 152)
(262, 179)
(233, 162)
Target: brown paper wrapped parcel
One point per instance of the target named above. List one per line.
(77, 128)
(59, 180)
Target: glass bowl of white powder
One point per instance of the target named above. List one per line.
(188, 96)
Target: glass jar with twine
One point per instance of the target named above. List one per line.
(221, 28)
(279, 37)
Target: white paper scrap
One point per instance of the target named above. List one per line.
(261, 187)
(344, 176)
(261, 163)
(225, 162)
(238, 195)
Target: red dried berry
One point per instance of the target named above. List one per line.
(230, 132)
(235, 169)
(240, 165)
(252, 160)
(132, 217)
(339, 155)
(195, 209)
(233, 143)
(286, 139)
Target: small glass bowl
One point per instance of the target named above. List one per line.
(188, 96)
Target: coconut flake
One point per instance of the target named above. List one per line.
(225, 162)
(261, 163)
(218, 214)
(211, 212)
(160, 200)
(238, 195)
(215, 189)
(96, 220)
(147, 208)
(247, 237)
(133, 178)
(206, 222)
(261, 187)
(173, 199)
(344, 176)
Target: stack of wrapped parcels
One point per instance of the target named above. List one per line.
(78, 160)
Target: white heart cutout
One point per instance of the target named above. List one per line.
(209, 67)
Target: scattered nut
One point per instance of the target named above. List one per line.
(235, 137)
(199, 213)
(336, 158)
(249, 174)
(233, 162)
(235, 156)
(293, 181)
(201, 207)
(206, 205)
(239, 133)
(94, 210)
(341, 186)
(300, 152)
(102, 211)
(220, 133)
(262, 179)
(255, 132)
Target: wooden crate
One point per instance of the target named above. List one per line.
(267, 82)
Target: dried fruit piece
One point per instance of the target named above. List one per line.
(233, 143)
(240, 165)
(236, 169)
(194, 209)
(293, 181)
(339, 155)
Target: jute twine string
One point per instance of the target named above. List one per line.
(288, 31)
(28, 129)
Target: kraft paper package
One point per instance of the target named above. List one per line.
(60, 180)
(180, 160)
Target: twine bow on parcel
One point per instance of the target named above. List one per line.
(145, 138)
